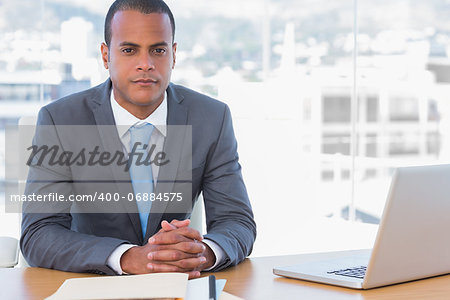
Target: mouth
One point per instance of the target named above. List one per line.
(145, 82)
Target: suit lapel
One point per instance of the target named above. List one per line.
(176, 115)
(104, 118)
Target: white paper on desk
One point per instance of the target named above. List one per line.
(226, 296)
(157, 285)
(198, 289)
(220, 284)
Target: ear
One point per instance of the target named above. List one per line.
(105, 55)
(174, 54)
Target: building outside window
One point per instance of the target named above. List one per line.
(291, 74)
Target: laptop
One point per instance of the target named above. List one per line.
(412, 240)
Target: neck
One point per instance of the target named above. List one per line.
(140, 111)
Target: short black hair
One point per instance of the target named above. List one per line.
(142, 6)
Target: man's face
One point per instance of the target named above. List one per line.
(140, 59)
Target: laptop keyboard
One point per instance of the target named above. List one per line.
(357, 272)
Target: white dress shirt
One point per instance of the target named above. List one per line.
(124, 120)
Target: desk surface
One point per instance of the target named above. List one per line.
(252, 279)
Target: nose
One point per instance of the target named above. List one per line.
(145, 63)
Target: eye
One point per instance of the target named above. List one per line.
(127, 50)
(159, 51)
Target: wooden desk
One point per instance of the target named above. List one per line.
(252, 279)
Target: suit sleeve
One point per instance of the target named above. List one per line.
(47, 239)
(229, 216)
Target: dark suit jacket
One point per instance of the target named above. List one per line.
(82, 242)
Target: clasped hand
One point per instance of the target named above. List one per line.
(175, 248)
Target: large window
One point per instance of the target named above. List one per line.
(321, 121)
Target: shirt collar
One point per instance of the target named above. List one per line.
(124, 119)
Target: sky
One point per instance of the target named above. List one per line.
(97, 6)
(230, 8)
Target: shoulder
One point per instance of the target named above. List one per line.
(76, 108)
(95, 94)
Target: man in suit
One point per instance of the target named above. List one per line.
(140, 53)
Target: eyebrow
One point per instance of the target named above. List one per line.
(138, 46)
